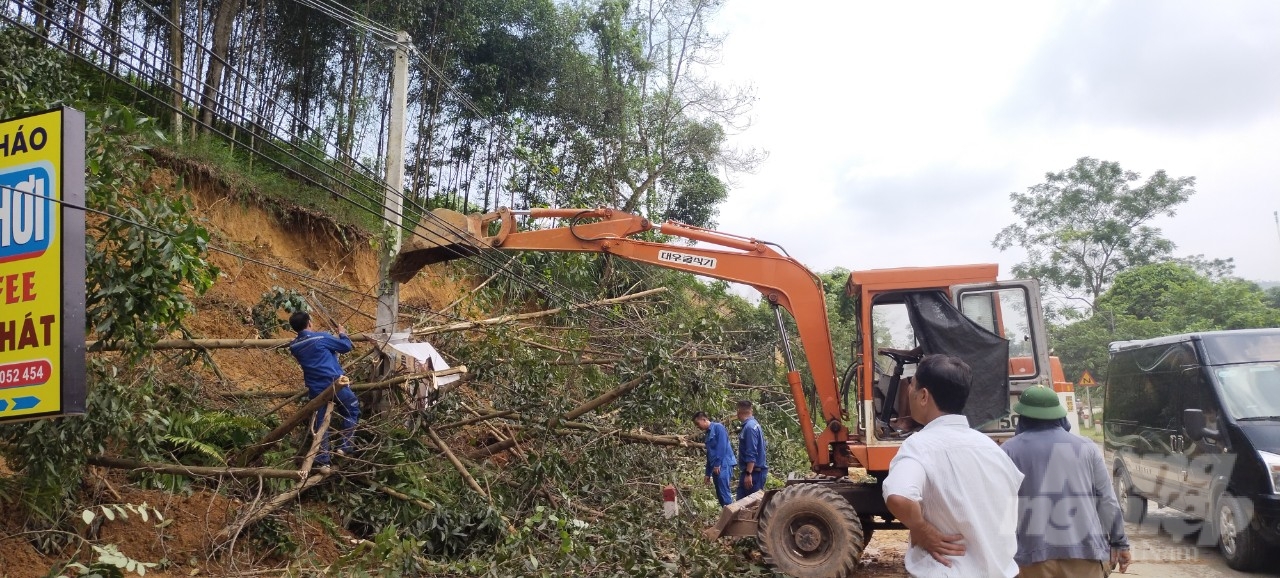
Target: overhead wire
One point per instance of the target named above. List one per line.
(460, 235)
(366, 294)
(553, 289)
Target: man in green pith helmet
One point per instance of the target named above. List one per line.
(1064, 473)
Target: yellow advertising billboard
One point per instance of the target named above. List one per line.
(42, 275)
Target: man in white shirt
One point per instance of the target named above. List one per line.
(950, 485)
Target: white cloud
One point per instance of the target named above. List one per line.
(896, 131)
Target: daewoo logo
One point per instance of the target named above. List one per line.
(687, 259)
(26, 213)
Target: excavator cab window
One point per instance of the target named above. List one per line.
(928, 321)
(891, 330)
(1005, 312)
(1012, 310)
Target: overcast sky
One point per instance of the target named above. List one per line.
(897, 130)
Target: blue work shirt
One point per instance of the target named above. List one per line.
(1064, 474)
(317, 353)
(751, 445)
(718, 451)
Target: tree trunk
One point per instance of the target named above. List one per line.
(78, 25)
(348, 52)
(42, 10)
(349, 135)
(182, 470)
(175, 65)
(198, 65)
(222, 27)
(115, 12)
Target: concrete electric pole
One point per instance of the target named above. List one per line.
(393, 199)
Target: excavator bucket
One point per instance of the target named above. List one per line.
(738, 519)
(442, 235)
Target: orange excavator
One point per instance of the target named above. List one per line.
(815, 527)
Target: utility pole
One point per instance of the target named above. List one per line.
(393, 201)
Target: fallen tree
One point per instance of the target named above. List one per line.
(201, 344)
(185, 470)
(600, 400)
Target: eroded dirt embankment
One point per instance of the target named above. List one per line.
(283, 246)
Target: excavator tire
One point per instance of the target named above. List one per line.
(810, 531)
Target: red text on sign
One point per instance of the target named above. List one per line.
(24, 373)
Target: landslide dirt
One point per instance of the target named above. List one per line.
(277, 241)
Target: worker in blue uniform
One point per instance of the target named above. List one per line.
(317, 352)
(751, 450)
(720, 459)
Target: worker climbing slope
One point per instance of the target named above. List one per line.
(317, 352)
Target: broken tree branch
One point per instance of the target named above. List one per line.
(254, 451)
(478, 419)
(317, 436)
(613, 360)
(448, 453)
(401, 496)
(292, 398)
(465, 325)
(92, 346)
(572, 427)
(251, 516)
(459, 370)
(606, 397)
(628, 435)
(573, 414)
(182, 470)
(462, 298)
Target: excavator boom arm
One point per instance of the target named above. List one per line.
(784, 281)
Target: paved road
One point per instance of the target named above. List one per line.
(1157, 550)
(1165, 545)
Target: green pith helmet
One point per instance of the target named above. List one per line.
(1040, 402)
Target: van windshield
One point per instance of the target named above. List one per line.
(1251, 391)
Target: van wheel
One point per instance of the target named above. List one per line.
(1237, 538)
(810, 531)
(1133, 508)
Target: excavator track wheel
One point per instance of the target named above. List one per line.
(810, 531)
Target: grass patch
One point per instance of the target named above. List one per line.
(254, 175)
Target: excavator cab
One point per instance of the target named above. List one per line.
(996, 327)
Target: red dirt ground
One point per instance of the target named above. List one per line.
(304, 244)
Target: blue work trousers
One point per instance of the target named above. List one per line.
(347, 413)
(722, 482)
(757, 482)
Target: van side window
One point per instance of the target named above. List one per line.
(1142, 390)
(1199, 394)
(1158, 391)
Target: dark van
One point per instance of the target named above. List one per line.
(1193, 422)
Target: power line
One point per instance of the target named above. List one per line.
(551, 288)
(171, 235)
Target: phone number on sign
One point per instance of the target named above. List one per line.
(24, 373)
